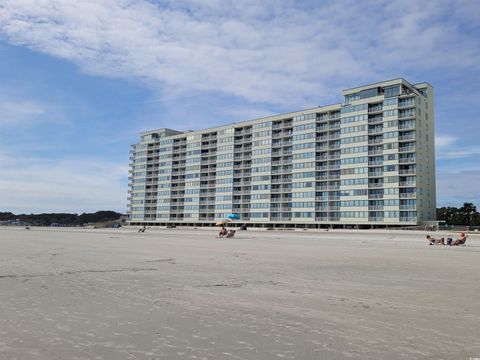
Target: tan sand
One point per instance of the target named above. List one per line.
(185, 294)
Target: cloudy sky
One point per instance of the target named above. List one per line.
(80, 79)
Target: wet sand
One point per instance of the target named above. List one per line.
(185, 294)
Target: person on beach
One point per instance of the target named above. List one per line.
(461, 240)
(222, 232)
(434, 241)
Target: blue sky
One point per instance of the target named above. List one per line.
(80, 79)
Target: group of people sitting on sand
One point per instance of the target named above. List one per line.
(226, 233)
(441, 241)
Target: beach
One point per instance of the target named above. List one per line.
(68, 293)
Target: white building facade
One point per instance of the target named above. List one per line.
(368, 162)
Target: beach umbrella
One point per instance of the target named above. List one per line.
(223, 222)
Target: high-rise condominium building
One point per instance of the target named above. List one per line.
(369, 161)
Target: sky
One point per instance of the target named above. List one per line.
(79, 80)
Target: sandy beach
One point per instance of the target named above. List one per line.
(186, 294)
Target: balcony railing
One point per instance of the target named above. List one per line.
(408, 207)
(375, 120)
(406, 137)
(406, 160)
(408, 219)
(375, 109)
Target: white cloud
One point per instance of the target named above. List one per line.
(26, 112)
(447, 147)
(443, 141)
(32, 184)
(279, 54)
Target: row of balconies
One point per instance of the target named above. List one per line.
(276, 215)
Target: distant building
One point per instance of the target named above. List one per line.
(368, 162)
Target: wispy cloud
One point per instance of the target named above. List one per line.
(448, 147)
(26, 112)
(279, 54)
(444, 141)
(35, 184)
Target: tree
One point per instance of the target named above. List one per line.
(466, 215)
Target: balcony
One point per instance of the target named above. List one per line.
(408, 219)
(406, 126)
(406, 137)
(407, 172)
(375, 109)
(375, 185)
(375, 131)
(406, 160)
(375, 207)
(375, 120)
(406, 149)
(407, 184)
(407, 195)
(408, 207)
(406, 115)
(376, 218)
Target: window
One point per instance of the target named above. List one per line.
(392, 91)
